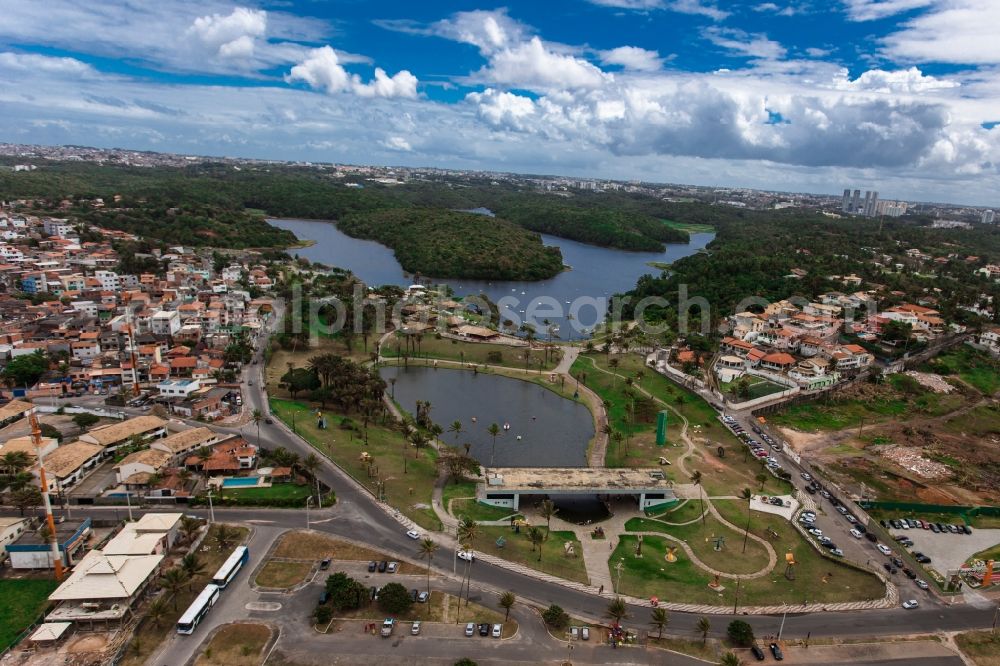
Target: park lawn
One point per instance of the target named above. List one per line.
(983, 647)
(313, 547)
(238, 644)
(21, 603)
(846, 584)
(727, 476)
(408, 473)
(283, 574)
(478, 511)
(441, 607)
(991, 553)
(519, 549)
(277, 491)
(472, 352)
(684, 512)
(148, 636)
(701, 539)
(463, 488)
(974, 367)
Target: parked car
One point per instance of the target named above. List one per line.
(909, 573)
(392, 567)
(373, 593)
(422, 597)
(934, 528)
(856, 534)
(829, 545)
(815, 531)
(871, 537)
(776, 651)
(585, 633)
(497, 630)
(484, 629)
(824, 494)
(466, 555)
(806, 476)
(372, 566)
(810, 490)
(388, 624)
(470, 629)
(325, 564)
(269, 421)
(966, 529)
(574, 633)
(415, 629)
(911, 604)
(382, 566)
(413, 534)
(324, 596)
(414, 593)
(757, 652)
(884, 549)
(922, 584)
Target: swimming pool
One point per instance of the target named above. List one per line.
(240, 482)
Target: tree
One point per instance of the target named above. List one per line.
(189, 528)
(173, 581)
(468, 532)
(536, 538)
(192, 566)
(613, 364)
(25, 370)
(747, 494)
(761, 479)
(494, 430)
(426, 552)
(507, 601)
(456, 427)
(730, 659)
(345, 592)
(14, 462)
(740, 633)
(157, 611)
(555, 617)
(310, 465)
(659, 619)
(703, 627)
(616, 610)
(696, 480)
(225, 536)
(323, 614)
(465, 661)
(394, 598)
(84, 420)
(26, 498)
(257, 415)
(547, 511)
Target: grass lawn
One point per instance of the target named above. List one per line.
(837, 414)
(758, 388)
(684, 512)
(982, 647)
(458, 489)
(283, 574)
(21, 603)
(278, 491)
(701, 539)
(441, 607)
(708, 651)
(519, 549)
(690, 227)
(237, 644)
(408, 474)
(970, 365)
(148, 636)
(478, 511)
(474, 352)
(977, 422)
(313, 547)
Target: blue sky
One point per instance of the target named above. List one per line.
(895, 95)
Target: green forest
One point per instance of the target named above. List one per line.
(449, 244)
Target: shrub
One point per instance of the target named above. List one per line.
(740, 633)
(494, 357)
(323, 614)
(394, 598)
(555, 617)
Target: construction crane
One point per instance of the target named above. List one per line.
(36, 439)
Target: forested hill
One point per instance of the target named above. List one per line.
(210, 191)
(449, 244)
(754, 253)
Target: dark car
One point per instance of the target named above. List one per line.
(484, 629)
(382, 566)
(372, 566)
(414, 593)
(897, 562)
(810, 490)
(324, 596)
(776, 651)
(941, 527)
(887, 567)
(966, 529)
(829, 545)
(325, 564)
(757, 652)
(909, 574)
(871, 537)
(934, 528)
(269, 421)
(883, 524)
(373, 593)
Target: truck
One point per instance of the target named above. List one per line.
(387, 626)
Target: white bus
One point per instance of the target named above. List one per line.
(232, 566)
(197, 610)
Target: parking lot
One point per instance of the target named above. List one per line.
(948, 551)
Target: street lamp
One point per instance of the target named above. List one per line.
(784, 614)
(211, 509)
(308, 504)
(618, 568)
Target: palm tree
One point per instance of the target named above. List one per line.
(192, 567)
(456, 427)
(468, 532)
(184, 476)
(189, 527)
(730, 659)
(761, 479)
(613, 364)
(173, 581)
(696, 480)
(616, 610)
(548, 510)
(507, 601)
(494, 430)
(225, 536)
(747, 494)
(310, 464)
(703, 627)
(619, 438)
(659, 619)
(426, 552)
(537, 539)
(257, 416)
(156, 611)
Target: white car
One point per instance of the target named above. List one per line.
(856, 534)
(884, 549)
(851, 519)
(911, 604)
(815, 531)
(806, 476)
(466, 555)
(838, 552)
(497, 630)
(413, 534)
(922, 584)
(585, 633)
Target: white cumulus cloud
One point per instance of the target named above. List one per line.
(322, 70)
(633, 57)
(872, 10)
(957, 31)
(534, 66)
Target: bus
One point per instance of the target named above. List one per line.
(198, 609)
(232, 566)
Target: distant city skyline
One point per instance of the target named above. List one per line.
(792, 95)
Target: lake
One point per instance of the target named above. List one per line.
(596, 274)
(554, 431)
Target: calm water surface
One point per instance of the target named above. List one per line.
(554, 431)
(597, 273)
